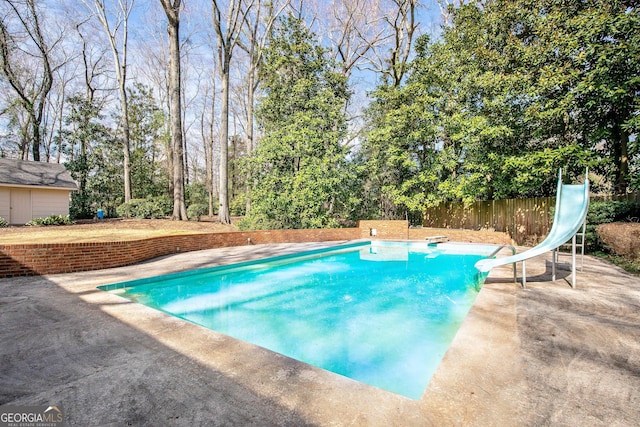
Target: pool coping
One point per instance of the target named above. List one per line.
(483, 379)
(223, 267)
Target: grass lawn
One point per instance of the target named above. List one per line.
(107, 231)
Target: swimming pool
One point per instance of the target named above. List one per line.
(383, 313)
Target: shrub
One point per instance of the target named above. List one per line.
(3, 222)
(196, 210)
(165, 202)
(238, 205)
(253, 222)
(621, 238)
(605, 213)
(50, 220)
(152, 207)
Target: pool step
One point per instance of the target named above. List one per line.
(436, 239)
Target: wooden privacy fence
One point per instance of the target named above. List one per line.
(526, 220)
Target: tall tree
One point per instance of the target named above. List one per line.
(84, 132)
(84, 136)
(576, 88)
(153, 66)
(357, 27)
(207, 133)
(119, 45)
(494, 107)
(258, 29)
(593, 55)
(26, 63)
(146, 121)
(172, 10)
(300, 164)
(402, 26)
(228, 31)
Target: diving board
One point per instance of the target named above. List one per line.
(572, 204)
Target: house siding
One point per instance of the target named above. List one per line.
(5, 203)
(19, 205)
(49, 202)
(30, 190)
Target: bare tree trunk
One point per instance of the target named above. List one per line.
(185, 152)
(250, 97)
(404, 26)
(208, 160)
(172, 9)
(120, 66)
(169, 144)
(223, 212)
(227, 39)
(211, 185)
(179, 207)
(126, 148)
(206, 131)
(620, 143)
(401, 27)
(32, 95)
(257, 38)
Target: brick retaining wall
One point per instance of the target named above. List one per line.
(52, 258)
(384, 229)
(466, 236)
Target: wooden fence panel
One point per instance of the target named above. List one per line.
(526, 220)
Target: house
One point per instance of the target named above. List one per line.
(31, 190)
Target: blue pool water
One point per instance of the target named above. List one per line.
(380, 313)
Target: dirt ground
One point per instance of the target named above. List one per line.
(108, 230)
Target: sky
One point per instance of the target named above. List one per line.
(147, 44)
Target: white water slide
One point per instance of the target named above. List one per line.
(572, 203)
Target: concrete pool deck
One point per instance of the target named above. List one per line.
(547, 355)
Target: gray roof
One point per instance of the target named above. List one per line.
(37, 174)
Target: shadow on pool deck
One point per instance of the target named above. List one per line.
(547, 355)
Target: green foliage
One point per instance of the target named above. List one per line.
(3, 222)
(50, 220)
(196, 193)
(147, 135)
(509, 93)
(197, 200)
(613, 211)
(152, 207)
(84, 137)
(301, 176)
(535, 174)
(197, 210)
(96, 156)
(590, 73)
(238, 205)
(630, 265)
